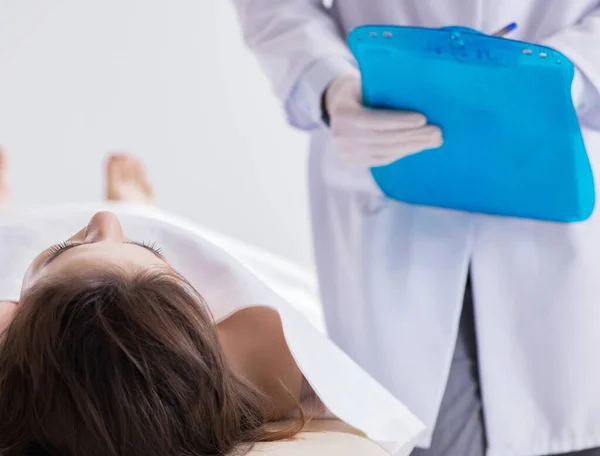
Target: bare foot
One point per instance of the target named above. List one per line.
(4, 179)
(126, 180)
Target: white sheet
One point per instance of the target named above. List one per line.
(227, 285)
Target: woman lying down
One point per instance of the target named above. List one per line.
(112, 345)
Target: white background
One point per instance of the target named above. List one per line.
(168, 80)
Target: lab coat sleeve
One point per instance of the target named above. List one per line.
(300, 48)
(581, 43)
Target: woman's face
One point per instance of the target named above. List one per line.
(101, 244)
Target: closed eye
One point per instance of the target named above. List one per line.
(62, 247)
(152, 247)
(59, 248)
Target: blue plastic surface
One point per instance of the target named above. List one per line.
(512, 141)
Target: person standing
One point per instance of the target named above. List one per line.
(485, 327)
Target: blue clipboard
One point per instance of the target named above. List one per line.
(512, 141)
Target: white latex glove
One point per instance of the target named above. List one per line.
(371, 137)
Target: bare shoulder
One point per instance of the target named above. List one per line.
(253, 337)
(322, 437)
(254, 343)
(251, 317)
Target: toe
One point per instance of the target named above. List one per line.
(138, 169)
(3, 167)
(141, 177)
(3, 160)
(112, 162)
(4, 178)
(117, 164)
(132, 167)
(127, 179)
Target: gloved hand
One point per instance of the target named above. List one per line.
(373, 137)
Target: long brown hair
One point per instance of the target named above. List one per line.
(121, 363)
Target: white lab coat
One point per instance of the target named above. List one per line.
(392, 275)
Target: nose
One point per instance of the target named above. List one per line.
(104, 226)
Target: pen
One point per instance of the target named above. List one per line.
(506, 30)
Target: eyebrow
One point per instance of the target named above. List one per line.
(77, 244)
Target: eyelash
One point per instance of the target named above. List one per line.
(58, 248)
(150, 246)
